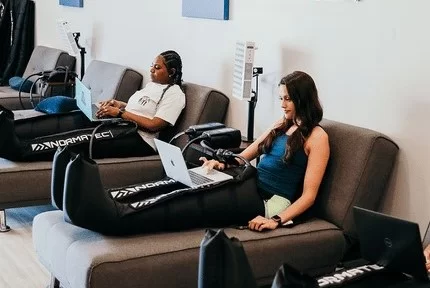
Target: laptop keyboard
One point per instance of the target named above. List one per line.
(198, 179)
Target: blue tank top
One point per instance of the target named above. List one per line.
(277, 177)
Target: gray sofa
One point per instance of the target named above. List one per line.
(42, 59)
(107, 81)
(116, 172)
(358, 172)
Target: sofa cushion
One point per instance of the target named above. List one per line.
(9, 98)
(82, 258)
(56, 105)
(17, 82)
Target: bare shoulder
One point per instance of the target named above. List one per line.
(317, 139)
(318, 133)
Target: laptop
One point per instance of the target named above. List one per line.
(391, 242)
(86, 103)
(174, 164)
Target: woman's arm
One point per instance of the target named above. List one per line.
(318, 150)
(152, 125)
(427, 256)
(250, 152)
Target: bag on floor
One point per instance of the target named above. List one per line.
(223, 262)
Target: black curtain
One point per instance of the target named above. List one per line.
(16, 37)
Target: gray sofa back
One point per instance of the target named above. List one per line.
(111, 81)
(46, 58)
(203, 104)
(42, 59)
(359, 169)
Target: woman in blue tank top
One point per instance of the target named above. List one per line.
(294, 154)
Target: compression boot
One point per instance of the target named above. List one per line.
(9, 142)
(62, 157)
(88, 205)
(123, 194)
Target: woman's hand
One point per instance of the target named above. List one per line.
(260, 223)
(427, 256)
(112, 103)
(107, 111)
(212, 164)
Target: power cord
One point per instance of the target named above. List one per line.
(224, 155)
(42, 74)
(201, 137)
(177, 136)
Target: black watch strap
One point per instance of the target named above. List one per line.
(277, 219)
(121, 111)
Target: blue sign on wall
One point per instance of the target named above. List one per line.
(211, 9)
(74, 3)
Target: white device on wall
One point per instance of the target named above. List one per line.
(243, 70)
(71, 41)
(67, 37)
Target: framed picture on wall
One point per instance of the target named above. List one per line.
(209, 9)
(73, 3)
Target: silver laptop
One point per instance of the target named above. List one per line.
(176, 168)
(86, 103)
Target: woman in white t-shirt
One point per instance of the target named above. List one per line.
(154, 108)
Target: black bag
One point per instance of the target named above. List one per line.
(289, 277)
(223, 263)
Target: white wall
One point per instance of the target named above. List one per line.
(370, 60)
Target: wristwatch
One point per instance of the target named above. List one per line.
(277, 219)
(121, 111)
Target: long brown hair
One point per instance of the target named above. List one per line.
(303, 92)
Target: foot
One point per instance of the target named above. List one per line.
(7, 112)
(59, 164)
(85, 201)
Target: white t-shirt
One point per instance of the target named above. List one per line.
(146, 102)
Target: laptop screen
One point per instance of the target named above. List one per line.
(83, 98)
(390, 242)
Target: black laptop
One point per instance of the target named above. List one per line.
(391, 242)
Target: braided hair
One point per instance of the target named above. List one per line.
(172, 60)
